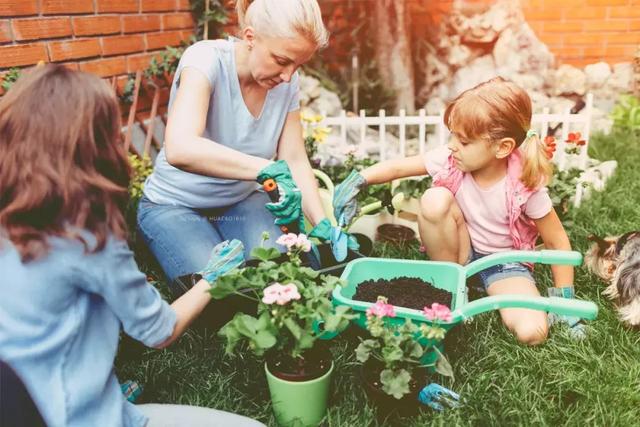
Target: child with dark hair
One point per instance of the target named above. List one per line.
(69, 281)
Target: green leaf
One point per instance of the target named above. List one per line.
(293, 327)
(392, 354)
(265, 339)
(443, 367)
(363, 352)
(265, 254)
(395, 383)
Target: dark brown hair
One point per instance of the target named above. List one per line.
(62, 166)
(497, 109)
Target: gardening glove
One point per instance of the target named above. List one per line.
(225, 257)
(345, 205)
(437, 397)
(576, 327)
(340, 240)
(288, 208)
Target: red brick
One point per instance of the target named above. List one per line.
(18, 7)
(584, 38)
(71, 65)
(631, 38)
(105, 67)
(183, 5)
(139, 62)
(594, 51)
(122, 44)
(624, 12)
(47, 28)
(56, 7)
(634, 25)
(23, 54)
(607, 2)
(96, 25)
(542, 14)
(585, 13)
(74, 49)
(626, 51)
(140, 23)
(118, 6)
(163, 39)
(608, 25)
(177, 20)
(158, 5)
(5, 31)
(563, 27)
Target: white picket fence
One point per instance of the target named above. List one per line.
(579, 122)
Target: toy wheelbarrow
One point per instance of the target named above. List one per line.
(452, 277)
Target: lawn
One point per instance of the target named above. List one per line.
(595, 381)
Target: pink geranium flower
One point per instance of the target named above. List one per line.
(381, 309)
(437, 312)
(293, 241)
(289, 240)
(280, 294)
(303, 243)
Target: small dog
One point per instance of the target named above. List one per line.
(616, 260)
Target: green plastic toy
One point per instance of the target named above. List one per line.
(452, 277)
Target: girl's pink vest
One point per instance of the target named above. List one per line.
(523, 230)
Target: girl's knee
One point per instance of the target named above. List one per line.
(533, 332)
(436, 203)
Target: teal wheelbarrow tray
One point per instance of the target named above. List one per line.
(452, 278)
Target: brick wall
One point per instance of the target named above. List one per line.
(105, 37)
(578, 32)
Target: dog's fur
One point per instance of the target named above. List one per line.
(616, 259)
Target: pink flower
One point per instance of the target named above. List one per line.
(381, 309)
(422, 249)
(292, 240)
(437, 311)
(289, 240)
(280, 294)
(303, 243)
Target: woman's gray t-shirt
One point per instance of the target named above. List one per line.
(229, 123)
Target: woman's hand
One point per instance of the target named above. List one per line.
(288, 208)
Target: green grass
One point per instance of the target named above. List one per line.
(563, 382)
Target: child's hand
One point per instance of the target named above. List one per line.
(345, 206)
(340, 240)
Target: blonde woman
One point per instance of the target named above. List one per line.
(233, 109)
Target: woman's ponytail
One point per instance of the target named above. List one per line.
(537, 168)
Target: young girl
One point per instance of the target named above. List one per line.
(68, 279)
(488, 196)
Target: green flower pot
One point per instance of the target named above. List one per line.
(299, 403)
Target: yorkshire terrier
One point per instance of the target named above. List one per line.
(616, 259)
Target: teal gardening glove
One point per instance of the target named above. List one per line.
(345, 205)
(576, 327)
(288, 208)
(340, 240)
(225, 257)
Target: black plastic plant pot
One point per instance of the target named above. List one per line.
(387, 405)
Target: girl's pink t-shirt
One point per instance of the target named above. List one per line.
(485, 209)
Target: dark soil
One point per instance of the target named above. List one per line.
(386, 404)
(394, 234)
(315, 363)
(408, 292)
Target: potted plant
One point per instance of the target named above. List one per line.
(294, 314)
(394, 368)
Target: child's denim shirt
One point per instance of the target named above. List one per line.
(60, 318)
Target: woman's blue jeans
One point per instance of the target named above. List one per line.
(182, 238)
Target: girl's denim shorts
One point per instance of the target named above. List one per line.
(498, 272)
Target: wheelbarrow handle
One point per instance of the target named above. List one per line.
(569, 307)
(540, 257)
